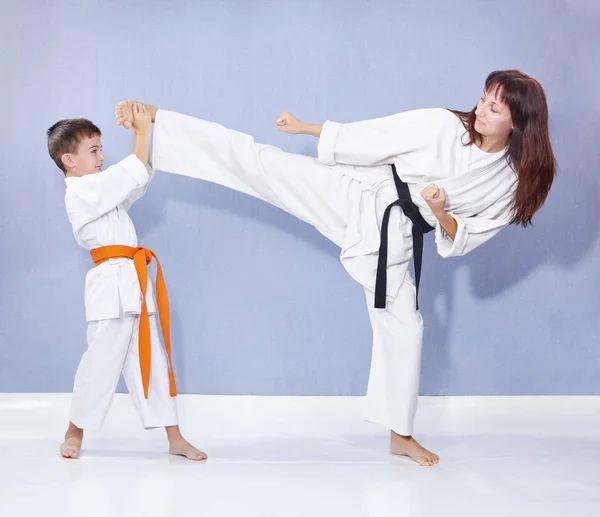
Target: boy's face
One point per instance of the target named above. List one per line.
(86, 160)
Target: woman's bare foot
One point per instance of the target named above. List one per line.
(179, 446)
(72, 445)
(124, 113)
(408, 446)
(184, 448)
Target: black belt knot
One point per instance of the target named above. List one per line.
(419, 228)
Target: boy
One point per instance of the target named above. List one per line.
(122, 334)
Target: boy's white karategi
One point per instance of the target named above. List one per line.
(97, 207)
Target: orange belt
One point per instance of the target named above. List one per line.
(142, 257)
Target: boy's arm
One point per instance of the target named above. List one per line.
(142, 129)
(141, 190)
(94, 195)
(91, 196)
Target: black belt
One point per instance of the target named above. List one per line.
(419, 227)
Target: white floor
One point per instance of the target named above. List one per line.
(306, 457)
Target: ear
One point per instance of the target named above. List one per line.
(67, 160)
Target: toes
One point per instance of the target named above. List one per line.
(123, 114)
(196, 455)
(422, 460)
(427, 461)
(68, 451)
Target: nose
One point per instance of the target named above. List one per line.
(100, 156)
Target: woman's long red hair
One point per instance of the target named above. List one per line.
(529, 149)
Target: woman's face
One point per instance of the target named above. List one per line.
(493, 116)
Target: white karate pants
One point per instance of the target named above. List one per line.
(112, 349)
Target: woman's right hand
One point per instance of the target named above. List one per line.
(287, 123)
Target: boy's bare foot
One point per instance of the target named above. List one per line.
(124, 113)
(184, 448)
(71, 447)
(179, 446)
(408, 446)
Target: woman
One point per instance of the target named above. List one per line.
(375, 189)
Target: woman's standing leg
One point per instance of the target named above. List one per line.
(393, 389)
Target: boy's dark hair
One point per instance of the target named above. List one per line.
(65, 135)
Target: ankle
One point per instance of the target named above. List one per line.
(174, 434)
(74, 432)
(78, 436)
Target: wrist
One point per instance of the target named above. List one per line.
(142, 132)
(313, 130)
(440, 213)
(304, 128)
